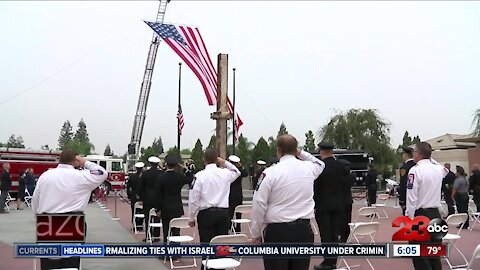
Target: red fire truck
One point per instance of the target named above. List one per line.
(42, 160)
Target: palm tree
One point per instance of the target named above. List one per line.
(476, 123)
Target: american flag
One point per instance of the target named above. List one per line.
(187, 43)
(181, 123)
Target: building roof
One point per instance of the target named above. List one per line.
(450, 141)
(469, 139)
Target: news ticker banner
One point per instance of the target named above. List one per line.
(387, 250)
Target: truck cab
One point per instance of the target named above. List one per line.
(115, 169)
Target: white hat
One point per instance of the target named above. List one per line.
(139, 165)
(234, 159)
(153, 159)
(261, 162)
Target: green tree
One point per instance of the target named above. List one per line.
(146, 153)
(361, 129)
(108, 151)
(272, 147)
(66, 135)
(282, 130)
(186, 152)
(243, 151)
(81, 148)
(213, 142)
(416, 140)
(406, 140)
(173, 151)
(309, 142)
(15, 142)
(197, 155)
(81, 135)
(476, 123)
(261, 150)
(158, 145)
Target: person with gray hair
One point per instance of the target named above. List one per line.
(6, 185)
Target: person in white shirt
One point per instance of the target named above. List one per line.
(284, 202)
(65, 190)
(208, 196)
(424, 189)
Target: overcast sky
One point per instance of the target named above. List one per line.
(297, 62)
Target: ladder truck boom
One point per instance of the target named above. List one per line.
(140, 115)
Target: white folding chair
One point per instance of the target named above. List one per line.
(8, 200)
(383, 198)
(455, 220)
(476, 219)
(362, 230)
(137, 206)
(28, 198)
(475, 256)
(367, 211)
(242, 209)
(225, 263)
(471, 204)
(180, 223)
(152, 225)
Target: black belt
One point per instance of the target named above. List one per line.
(295, 222)
(66, 213)
(431, 208)
(215, 209)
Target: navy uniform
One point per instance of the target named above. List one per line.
(261, 166)
(168, 191)
(402, 187)
(132, 188)
(329, 204)
(72, 189)
(447, 188)
(424, 187)
(147, 191)
(474, 185)
(284, 203)
(347, 200)
(5, 186)
(371, 185)
(235, 198)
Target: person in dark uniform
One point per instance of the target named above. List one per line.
(168, 191)
(447, 188)
(407, 155)
(329, 206)
(347, 200)
(261, 167)
(474, 185)
(236, 193)
(147, 191)
(371, 185)
(460, 194)
(132, 188)
(22, 185)
(5, 186)
(251, 173)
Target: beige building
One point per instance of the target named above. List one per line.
(455, 149)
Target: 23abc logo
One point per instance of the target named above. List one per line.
(420, 229)
(225, 250)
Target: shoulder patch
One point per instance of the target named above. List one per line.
(411, 178)
(260, 178)
(193, 182)
(96, 172)
(403, 172)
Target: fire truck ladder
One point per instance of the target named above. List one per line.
(139, 121)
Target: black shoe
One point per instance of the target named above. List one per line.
(323, 267)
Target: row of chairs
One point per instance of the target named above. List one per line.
(27, 200)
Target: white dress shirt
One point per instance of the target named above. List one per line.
(211, 188)
(424, 185)
(285, 191)
(65, 189)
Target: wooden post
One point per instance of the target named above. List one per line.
(222, 114)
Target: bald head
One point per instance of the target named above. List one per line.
(447, 165)
(6, 166)
(286, 145)
(476, 167)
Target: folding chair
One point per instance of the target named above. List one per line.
(152, 224)
(475, 256)
(180, 223)
(137, 206)
(476, 219)
(471, 204)
(367, 211)
(362, 229)
(225, 263)
(455, 220)
(384, 198)
(242, 209)
(444, 207)
(8, 200)
(28, 198)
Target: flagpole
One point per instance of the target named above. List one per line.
(233, 111)
(179, 105)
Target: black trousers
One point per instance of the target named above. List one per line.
(329, 224)
(298, 231)
(212, 222)
(447, 194)
(427, 263)
(146, 211)
(476, 199)
(232, 203)
(462, 205)
(346, 218)
(372, 195)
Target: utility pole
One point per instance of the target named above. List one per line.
(222, 114)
